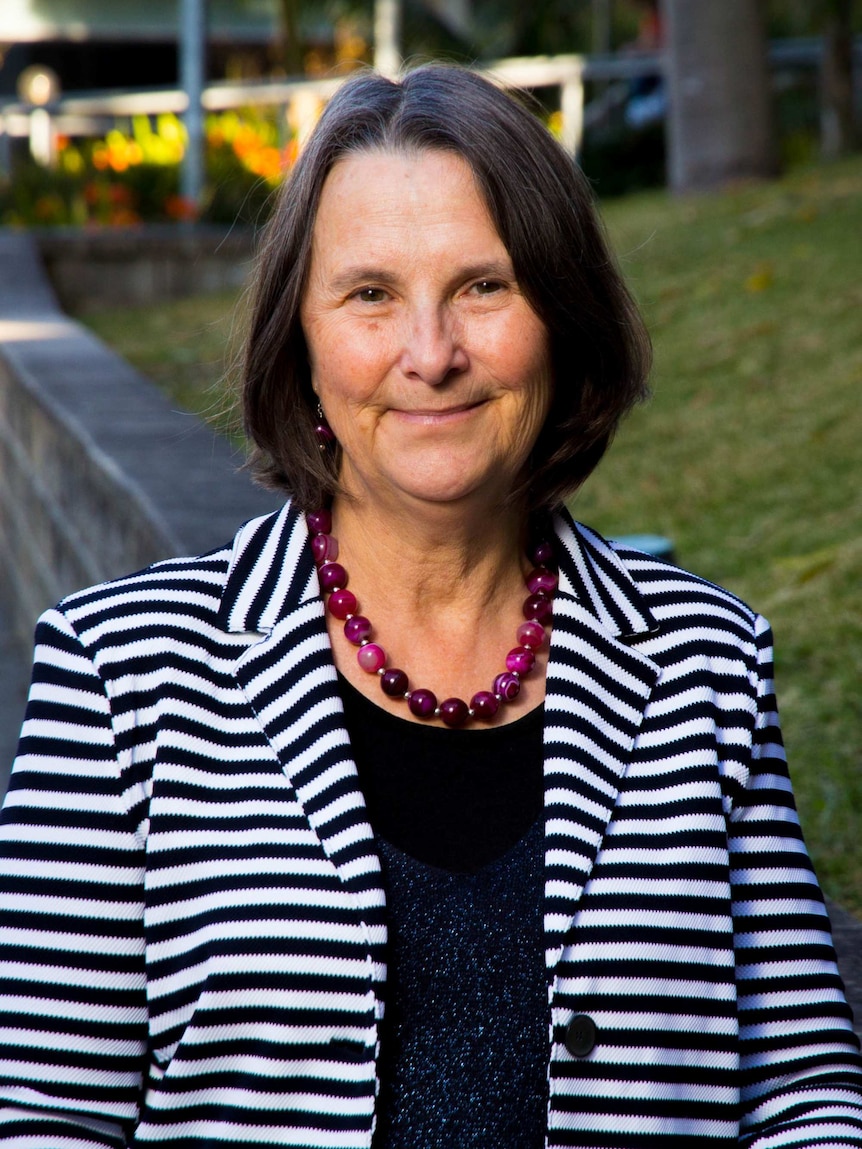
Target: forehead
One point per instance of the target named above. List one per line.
(370, 195)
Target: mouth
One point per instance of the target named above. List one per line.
(430, 416)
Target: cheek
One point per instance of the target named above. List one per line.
(346, 367)
(531, 351)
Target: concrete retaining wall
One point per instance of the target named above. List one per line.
(93, 269)
(98, 474)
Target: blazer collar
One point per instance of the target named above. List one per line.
(271, 573)
(592, 573)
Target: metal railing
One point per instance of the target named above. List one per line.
(90, 114)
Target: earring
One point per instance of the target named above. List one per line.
(323, 431)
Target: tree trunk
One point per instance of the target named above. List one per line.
(720, 126)
(291, 48)
(837, 135)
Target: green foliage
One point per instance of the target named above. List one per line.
(748, 458)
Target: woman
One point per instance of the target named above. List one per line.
(261, 887)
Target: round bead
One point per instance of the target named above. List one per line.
(371, 657)
(520, 660)
(454, 711)
(484, 704)
(325, 434)
(537, 606)
(324, 548)
(332, 575)
(507, 685)
(342, 603)
(531, 634)
(542, 553)
(357, 628)
(422, 703)
(393, 682)
(320, 521)
(541, 580)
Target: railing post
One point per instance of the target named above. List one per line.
(387, 37)
(43, 139)
(192, 68)
(572, 109)
(5, 150)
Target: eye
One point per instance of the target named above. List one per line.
(487, 286)
(370, 295)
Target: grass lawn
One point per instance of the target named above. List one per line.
(749, 457)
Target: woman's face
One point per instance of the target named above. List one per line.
(431, 367)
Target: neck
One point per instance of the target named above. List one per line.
(447, 590)
(436, 555)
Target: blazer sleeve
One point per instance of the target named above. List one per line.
(73, 1014)
(801, 1082)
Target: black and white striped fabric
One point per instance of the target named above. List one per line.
(193, 932)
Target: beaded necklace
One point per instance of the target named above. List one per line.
(372, 658)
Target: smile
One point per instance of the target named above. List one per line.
(431, 416)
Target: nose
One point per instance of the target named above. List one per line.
(433, 347)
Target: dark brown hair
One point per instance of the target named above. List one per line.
(543, 210)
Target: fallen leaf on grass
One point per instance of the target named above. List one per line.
(761, 278)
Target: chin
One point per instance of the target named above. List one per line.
(448, 490)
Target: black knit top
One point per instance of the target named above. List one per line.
(457, 819)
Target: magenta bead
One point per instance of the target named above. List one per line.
(422, 703)
(320, 521)
(507, 685)
(531, 634)
(324, 548)
(371, 657)
(537, 606)
(325, 434)
(332, 575)
(394, 682)
(484, 704)
(541, 580)
(342, 603)
(356, 629)
(454, 711)
(520, 660)
(542, 553)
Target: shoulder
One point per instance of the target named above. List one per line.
(175, 595)
(660, 601)
(664, 583)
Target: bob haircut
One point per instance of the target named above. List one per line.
(543, 210)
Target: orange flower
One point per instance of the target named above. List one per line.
(123, 217)
(120, 195)
(180, 208)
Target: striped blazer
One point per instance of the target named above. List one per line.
(193, 927)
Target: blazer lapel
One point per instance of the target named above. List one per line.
(289, 679)
(597, 691)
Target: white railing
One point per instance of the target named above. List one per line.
(90, 114)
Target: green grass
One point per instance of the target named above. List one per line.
(187, 346)
(749, 457)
